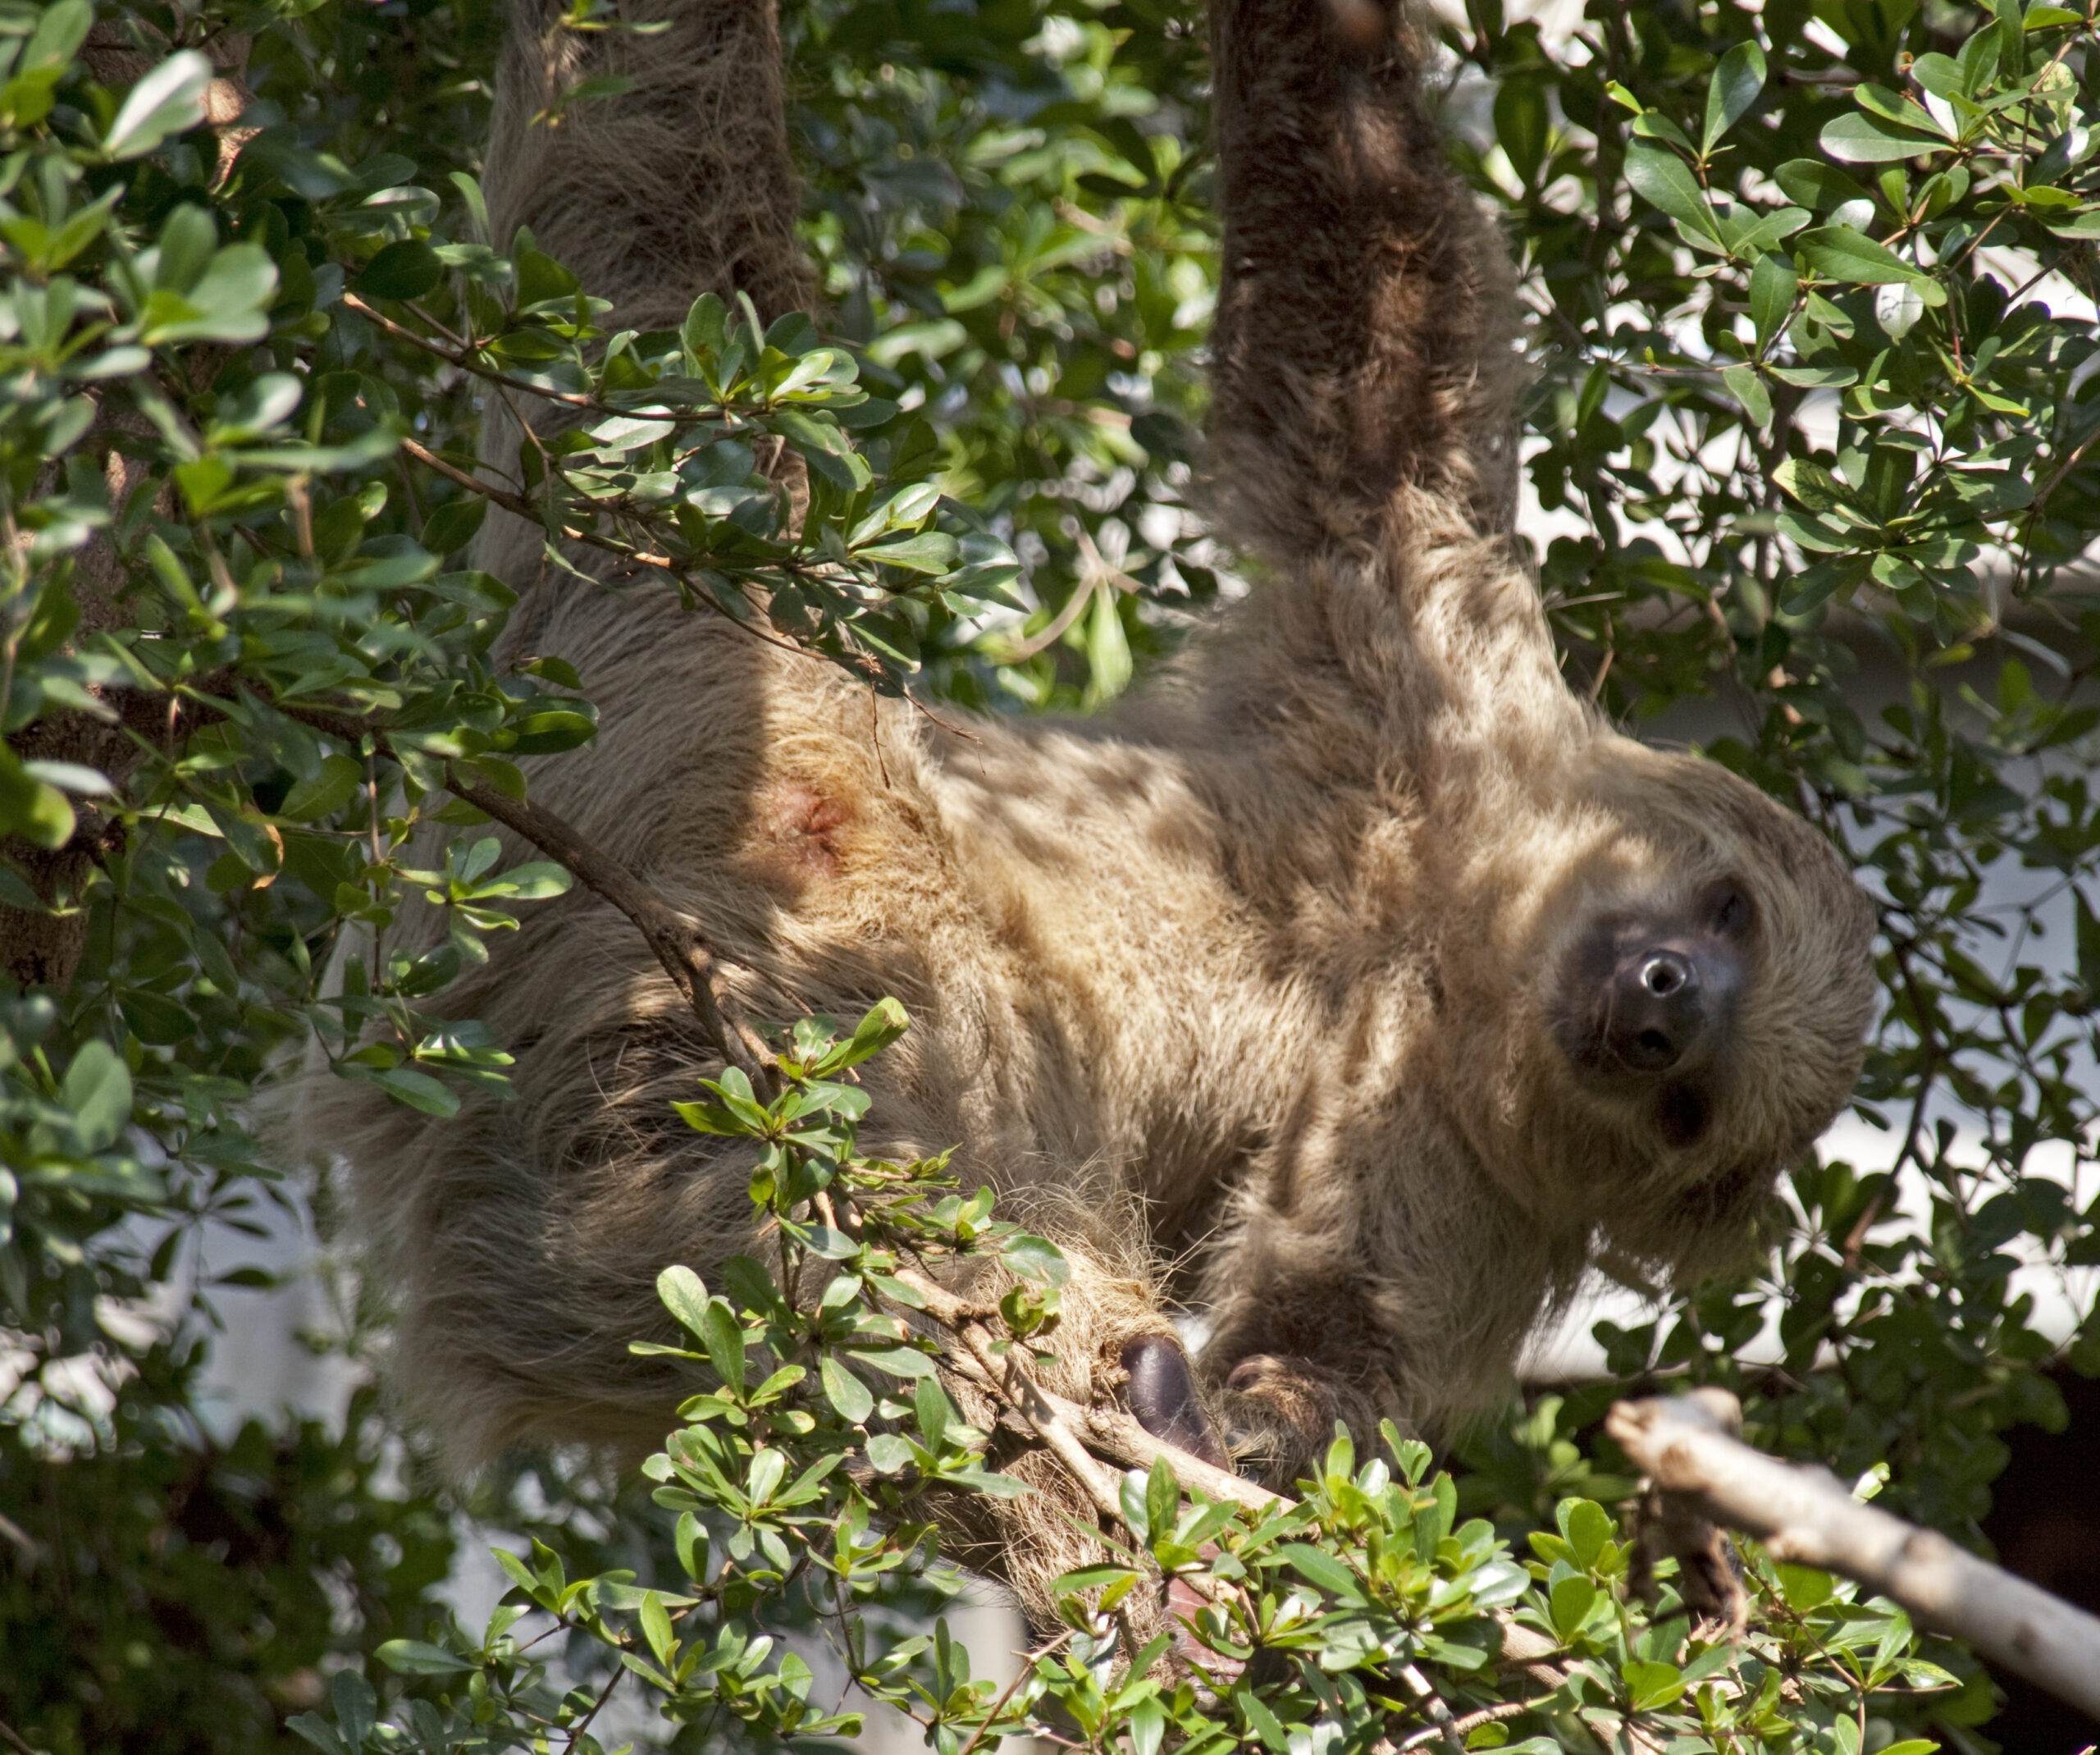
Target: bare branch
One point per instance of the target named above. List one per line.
(1029, 1661)
(1805, 1514)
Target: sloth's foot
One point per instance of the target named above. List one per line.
(1672, 1526)
(1280, 1415)
(1710, 1577)
(1162, 1395)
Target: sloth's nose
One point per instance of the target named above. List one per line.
(1659, 1010)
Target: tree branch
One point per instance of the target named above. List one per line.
(704, 594)
(679, 945)
(1805, 1515)
(1068, 1428)
(468, 359)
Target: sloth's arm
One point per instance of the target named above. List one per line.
(1362, 436)
(680, 186)
(1362, 338)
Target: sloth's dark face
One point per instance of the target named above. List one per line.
(1648, 1005)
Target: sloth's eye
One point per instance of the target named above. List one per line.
(1731, 912)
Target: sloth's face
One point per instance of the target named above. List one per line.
(1686, 983)
(1649, 1003)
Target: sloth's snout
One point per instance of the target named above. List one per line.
(1663, 1006)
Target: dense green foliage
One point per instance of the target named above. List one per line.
(1813, 344)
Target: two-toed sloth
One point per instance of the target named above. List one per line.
(1368, 974)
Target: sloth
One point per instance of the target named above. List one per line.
(1353, 965)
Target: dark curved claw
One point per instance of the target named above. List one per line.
(1162, 1395)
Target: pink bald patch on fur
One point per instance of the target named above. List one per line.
(805, 830)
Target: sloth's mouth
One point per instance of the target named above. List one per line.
(1683, 1115)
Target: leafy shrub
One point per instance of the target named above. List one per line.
(1811, 285)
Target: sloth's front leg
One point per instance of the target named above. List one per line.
(1279, 1411)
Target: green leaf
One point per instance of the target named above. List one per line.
(1844, 254)
(98, 1090)
(1816, 184)
(1805, 1588)
(1665, 182)
(1035, 1258)
(1162, 1499)
(1772, 285)
(723, 1335)
(1588, 1528)
(1147, 1726)
(656, 1626)
(169, 99)
(326, 792)
(357, 1707)
(229, 302)
(1521, 124)
(929, 552)
(537, 880)
(541, 278)
(1745, 386)
(890, 1454)
(418, 1090)
(548, 731)
(684, 1296)
(1107, 648)
(57, 37)
(407, 269)
(1571, 1601)
(846, 1392)
(1738, 78)
(899, 1361)
(885, 1022)
(1317, 1566)
(318, 1731)
(1261, 1721)
(1650, 1685)
(934, 1412)
(1811, 484)
(416, 1658)
(30, 808)
(453, 525)
(1858, 138)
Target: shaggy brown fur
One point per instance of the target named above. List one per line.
(1300, 951)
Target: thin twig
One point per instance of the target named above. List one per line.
(1119, 1436)
(1469, 1722)
(1082, 595)
(532, 514)
(1443, 1725)
(519, 504)
(576, 1731)
(679, 945)
(1029, 1661)
(464, 359)
(1108, 1430)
